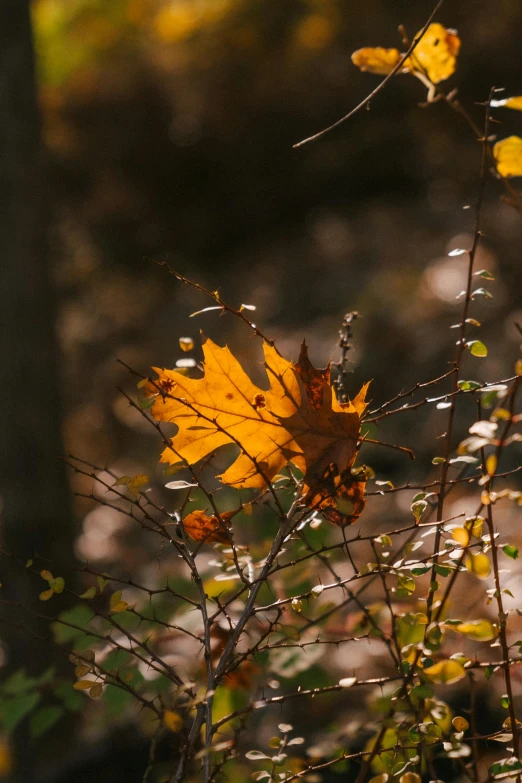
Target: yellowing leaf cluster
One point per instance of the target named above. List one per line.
(434, 57)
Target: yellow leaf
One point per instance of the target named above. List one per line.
(508, 155)
(46, 575)
(96, 691)
(139, 481)
(46, 594)
(122, 480)
(410, 777)
(133, 483)
(298, 419)
(461, 536)
(435, 55)
(82, 669)
(509, 103)
(121, 606)
(491, 464)
(84, 685)
(186, 343)
(446, 672)
(115, 598)
(172, 720)
(376, 59)
(478, 564)
(474, 526)
(459, 723)
(477, 630)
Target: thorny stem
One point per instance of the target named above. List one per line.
(232, 640)
(461, 347)
(502, 615)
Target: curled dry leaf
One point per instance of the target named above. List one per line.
(434, 57)
(298, 419)
(508, 156)
(210, 529)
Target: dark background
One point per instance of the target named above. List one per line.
(164, 130)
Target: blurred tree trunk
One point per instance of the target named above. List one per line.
(34, 495)
(33, 485)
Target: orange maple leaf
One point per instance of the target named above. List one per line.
(210, 529)
(339, 496)
(298, 419)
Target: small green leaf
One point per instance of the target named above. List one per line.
(505, 766)
(420, 570)
(89, 593)
(102, 582)
(510, 550)
(477, 348)
(418, 508)
(57, 585)
(438, 460)
(469, 385)
(484, 273)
